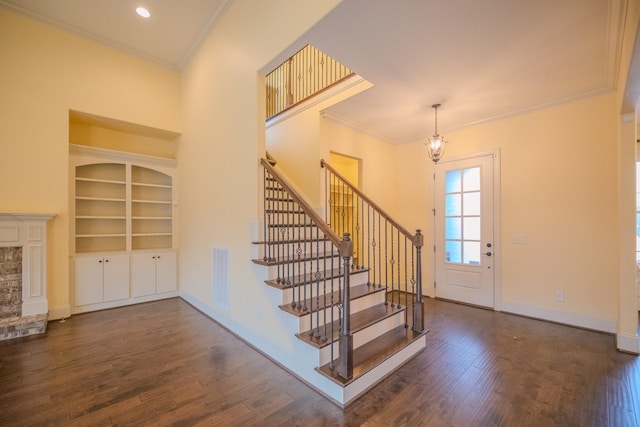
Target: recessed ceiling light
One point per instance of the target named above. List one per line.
(143, 12)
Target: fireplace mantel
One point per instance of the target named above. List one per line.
(29, 231)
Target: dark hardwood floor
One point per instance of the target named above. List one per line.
(164, 363)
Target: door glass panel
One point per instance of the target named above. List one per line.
(453, 204)
(454, 251)
(453, 228)
(471, 179)
(471, 253)
(471, 203)
(472, 228)
(453, 182)
(462, 216)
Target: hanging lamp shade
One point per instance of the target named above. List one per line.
(436, 143)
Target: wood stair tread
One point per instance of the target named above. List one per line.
(373, 353)
(308, 278)
(359, 321)
(279, 242)
(357, 291)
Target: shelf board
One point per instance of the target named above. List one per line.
(152, 217)
(150, 234)
(101, 199)
(100, 235)
(102, 181)
(160, 202)
(99, 217)
(144, 184)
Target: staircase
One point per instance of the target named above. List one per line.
(334, 295)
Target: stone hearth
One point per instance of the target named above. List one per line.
(23, 291)
(12, 324)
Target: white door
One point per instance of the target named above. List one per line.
(166, 272)
(116, 277)
(143, 274)
(89, 279)
(465, 251)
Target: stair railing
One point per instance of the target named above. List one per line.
(304, 248)
(381, 245)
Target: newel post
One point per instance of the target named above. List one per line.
(418, 303)
(345, 365)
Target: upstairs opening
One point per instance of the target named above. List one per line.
(305, 74)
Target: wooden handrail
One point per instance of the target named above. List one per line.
(360, 194)
(317, 219)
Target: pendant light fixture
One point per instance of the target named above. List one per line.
(435, 146)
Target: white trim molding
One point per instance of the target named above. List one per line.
(580, 320)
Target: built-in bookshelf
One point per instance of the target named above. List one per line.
(122, 204)
(101, 207)
(151, 209)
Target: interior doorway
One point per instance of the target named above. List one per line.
(342, 206)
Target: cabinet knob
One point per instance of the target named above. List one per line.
(106, 260)
(158, 256)
(153, 257)
(100, 261)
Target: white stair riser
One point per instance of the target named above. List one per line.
(288, 218)
(364, 336)
(296, 268)
(287, 294)
(356, 305)
(293, 232)
(356, 279)
(323, 246)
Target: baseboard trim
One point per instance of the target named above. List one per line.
(628, 343)
(600, 324)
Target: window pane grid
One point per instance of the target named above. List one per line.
(462, 216)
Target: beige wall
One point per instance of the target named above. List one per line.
(377, 170)
(298, 139)
(95, 136)
(223, 139)
(46, 72)
(558, 187)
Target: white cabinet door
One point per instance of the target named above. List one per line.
(166, 272)
(143, 274)
(116, 277)
(88, 282)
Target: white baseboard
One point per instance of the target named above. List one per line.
(59, 313)
(628, 343)
(574, 319)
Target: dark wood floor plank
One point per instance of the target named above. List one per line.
(164, 363)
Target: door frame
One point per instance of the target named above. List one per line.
(497, 240)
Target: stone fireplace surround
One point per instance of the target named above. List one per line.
(23, 274)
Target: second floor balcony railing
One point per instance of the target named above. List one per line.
(306, 73)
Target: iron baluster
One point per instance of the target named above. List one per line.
(304, 267)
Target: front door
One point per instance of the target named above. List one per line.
(464, 239)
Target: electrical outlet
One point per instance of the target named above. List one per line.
(559, 296)
(519, 239)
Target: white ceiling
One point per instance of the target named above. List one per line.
(479, 59)
(168, 37)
